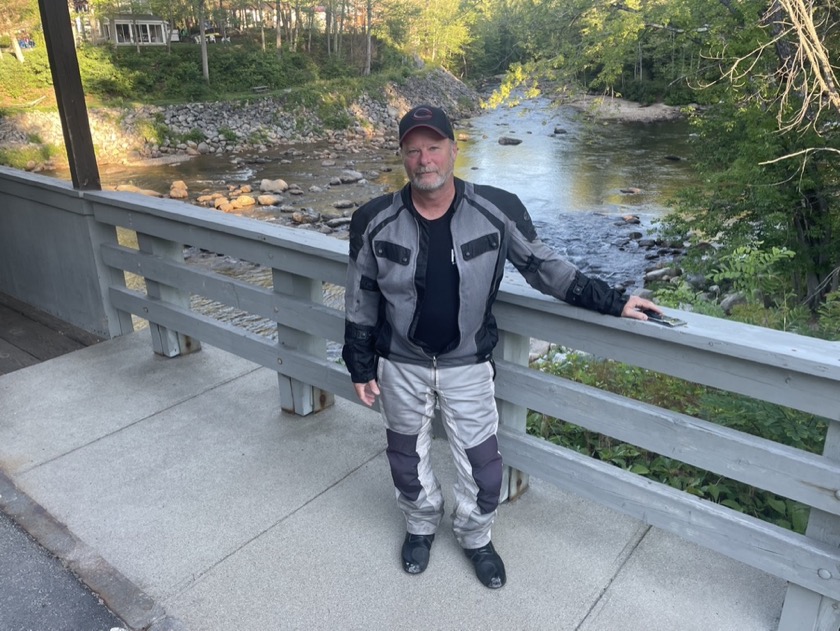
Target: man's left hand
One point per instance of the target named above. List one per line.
(635, 306)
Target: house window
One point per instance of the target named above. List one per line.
(124, 33)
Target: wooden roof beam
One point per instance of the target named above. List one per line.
(67, 82)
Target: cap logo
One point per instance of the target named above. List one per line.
(423, 114)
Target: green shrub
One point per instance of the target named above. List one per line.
(759, 418)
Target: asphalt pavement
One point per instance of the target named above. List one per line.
(38, 593)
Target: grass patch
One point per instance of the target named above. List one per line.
(25, 156)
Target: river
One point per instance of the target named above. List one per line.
(570, 182)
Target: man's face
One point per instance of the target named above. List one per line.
(428, 158)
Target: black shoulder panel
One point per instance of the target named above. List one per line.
(362, 216)
(511, 206)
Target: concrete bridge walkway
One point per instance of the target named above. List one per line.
(180, 492)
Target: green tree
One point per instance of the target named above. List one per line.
(776, 99)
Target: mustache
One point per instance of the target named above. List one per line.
(427, 170)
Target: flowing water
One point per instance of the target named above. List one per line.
(571, 183)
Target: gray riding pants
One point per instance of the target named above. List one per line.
(464, 394)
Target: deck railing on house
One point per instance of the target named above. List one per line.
(783, 368)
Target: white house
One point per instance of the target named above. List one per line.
(129, 29)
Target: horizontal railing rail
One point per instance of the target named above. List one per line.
(791, 370)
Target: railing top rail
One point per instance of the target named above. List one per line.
(244, 227)
(780, 349)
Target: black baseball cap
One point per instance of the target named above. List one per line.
(428, 116)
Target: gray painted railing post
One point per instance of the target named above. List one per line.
(516, 349)
(296, 396)
(115, 322)
(165, 341)
(805, 610)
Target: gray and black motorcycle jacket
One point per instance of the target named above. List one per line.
(387, 272)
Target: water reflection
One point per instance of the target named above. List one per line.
(571, 181)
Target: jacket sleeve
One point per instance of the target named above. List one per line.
(361, 303)
(548, 272)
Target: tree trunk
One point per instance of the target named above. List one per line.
(369, 13)
(328, 18)
(136, 32)
(202, 33)
(16, 48)
(278, 24)
(339, 34)
(223, 20)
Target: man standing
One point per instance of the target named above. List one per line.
(425, 267)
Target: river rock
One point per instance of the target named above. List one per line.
(274, 186)
(631, 190)
(697, 281)
(344, 203)
(730, 301)
(243, 201)
(349, 177)
(268, 200)
(338, 222)
(663, 273)
(130, 188)
(178, 190)
(560, 131)
(305, 217)
(507, 140)
(220, 201)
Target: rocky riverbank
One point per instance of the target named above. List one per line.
(265, 127)
(610, 108)
(162, 133)
(149, 134)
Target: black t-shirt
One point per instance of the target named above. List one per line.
(437, 322)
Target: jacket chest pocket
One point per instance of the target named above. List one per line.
(392, 252)
(481, 245)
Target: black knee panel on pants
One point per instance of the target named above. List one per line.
(486, 462)
(404, 460)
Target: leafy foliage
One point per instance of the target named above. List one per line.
(782, 425)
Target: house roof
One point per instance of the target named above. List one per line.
(137, 17)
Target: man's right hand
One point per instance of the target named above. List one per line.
(367, 392)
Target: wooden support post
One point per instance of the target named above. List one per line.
(296, 396)
(64, 65)
(515, 349)
(165, 341)
(805, 610)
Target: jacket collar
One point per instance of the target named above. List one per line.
(460, 188)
